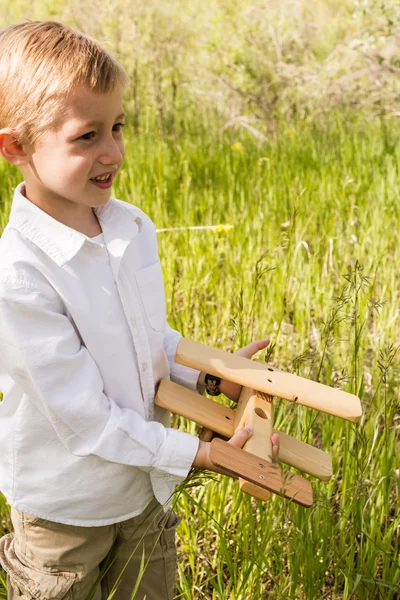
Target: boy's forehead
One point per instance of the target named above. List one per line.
(83, 104)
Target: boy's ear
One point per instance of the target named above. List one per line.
(11, 149)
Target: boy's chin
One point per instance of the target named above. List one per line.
(101, 200)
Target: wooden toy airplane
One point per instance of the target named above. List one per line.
(253, 465)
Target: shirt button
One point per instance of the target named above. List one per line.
(133, 322)
(144, 367)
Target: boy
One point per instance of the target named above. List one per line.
(87, 461)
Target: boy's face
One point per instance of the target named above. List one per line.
(72, 167)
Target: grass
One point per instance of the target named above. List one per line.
(312, 261)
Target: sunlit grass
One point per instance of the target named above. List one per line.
(312, 261)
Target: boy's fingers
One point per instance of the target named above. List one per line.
(240, 437)
(275, 446)
(251, 349)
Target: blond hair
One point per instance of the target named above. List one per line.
(40, 64)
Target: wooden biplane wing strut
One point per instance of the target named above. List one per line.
(261, 382)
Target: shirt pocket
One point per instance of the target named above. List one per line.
(151, 287)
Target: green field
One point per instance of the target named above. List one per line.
(311, 260)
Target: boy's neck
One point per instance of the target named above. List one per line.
(76, 216)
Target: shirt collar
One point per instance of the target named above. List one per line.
(60, 242)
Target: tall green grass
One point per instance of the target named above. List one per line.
(312, 261)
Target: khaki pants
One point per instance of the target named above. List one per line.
(51, 561)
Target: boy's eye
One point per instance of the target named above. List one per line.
(118, 126)
(88, 136)
(92, 134)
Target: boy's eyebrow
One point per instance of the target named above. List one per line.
(94, 123)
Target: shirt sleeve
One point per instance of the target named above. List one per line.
(42, 352)
(180, 374)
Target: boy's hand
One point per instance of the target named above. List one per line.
(203, 461)
(230, 389)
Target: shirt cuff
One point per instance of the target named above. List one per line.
(180, 374)
(180, 450)
(185, 376)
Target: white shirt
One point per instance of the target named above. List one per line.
(83, 343)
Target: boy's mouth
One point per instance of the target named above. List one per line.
(102, 181)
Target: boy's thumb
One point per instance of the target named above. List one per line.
(241, 436)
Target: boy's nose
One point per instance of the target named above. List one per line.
(112, 153)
